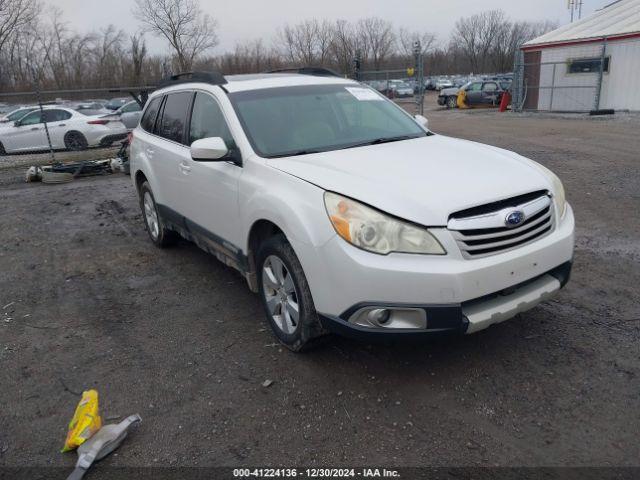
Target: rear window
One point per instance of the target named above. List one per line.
(150, 114)
(174, 116)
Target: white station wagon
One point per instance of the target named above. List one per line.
(345, 213)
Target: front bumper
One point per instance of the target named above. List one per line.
(458, 294)
(466, 318)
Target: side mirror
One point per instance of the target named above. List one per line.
(209, 149)
(422, 121)
(17, 123)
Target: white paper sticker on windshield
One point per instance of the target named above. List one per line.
(363, 94)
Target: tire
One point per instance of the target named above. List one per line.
(452, 102)
(75, 141)
(2, 150)
(282, 283)
(161, 236)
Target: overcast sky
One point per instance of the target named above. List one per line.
(250, 19)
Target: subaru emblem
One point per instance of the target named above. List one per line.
(514, 219)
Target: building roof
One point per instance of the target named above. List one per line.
(618, 19)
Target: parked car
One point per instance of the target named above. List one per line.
(90, 108)
(477, 93)
(68, 129)
(116, 103)
(443, 83)
(345, 213)
(398, 89)
(129, 114)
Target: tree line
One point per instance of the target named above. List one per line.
(36, 43)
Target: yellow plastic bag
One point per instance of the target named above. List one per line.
(85, 422)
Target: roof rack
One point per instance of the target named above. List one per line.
(316, 71)
(213, 78)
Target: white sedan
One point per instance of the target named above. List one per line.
(68, 129)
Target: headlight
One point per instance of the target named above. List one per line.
(376, 232)
(559, 196)
(558, 192)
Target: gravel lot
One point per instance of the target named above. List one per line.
(178, 338)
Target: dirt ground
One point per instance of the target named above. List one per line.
(86, 301)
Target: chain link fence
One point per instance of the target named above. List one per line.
(65, 126)
(560, 79)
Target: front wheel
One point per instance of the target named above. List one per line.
(452, 102)
(286, 296)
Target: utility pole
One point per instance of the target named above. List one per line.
(575, 7)
(36, 84)
(419, 74)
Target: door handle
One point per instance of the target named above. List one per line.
(34, 129)
(62, 125)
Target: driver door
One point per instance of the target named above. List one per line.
(210, 199)
(474, 93)
(30, 135)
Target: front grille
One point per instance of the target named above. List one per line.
(484, 232)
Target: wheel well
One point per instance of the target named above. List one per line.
(260, 232)
(140, 179)
(70, 132)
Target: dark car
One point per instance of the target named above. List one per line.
(116, 103)
(478, 93)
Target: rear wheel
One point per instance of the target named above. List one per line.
(160, 235)
(286, 295)
(452, 102)
(75, 141)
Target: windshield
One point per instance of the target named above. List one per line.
(290, 121)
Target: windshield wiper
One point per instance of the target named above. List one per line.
(297, 153)
(379, 141)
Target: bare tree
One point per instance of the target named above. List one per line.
(476, 36)
(407, 39)
(138, 51)
(182, 23)
(378, 35)
(15, 14)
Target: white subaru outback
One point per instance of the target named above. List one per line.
(345, 213)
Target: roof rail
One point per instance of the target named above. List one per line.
(213, 78)
(317, 71)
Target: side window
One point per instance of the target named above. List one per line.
(150, 114)
(475, 87)
(208, 121)
(490, 87)
(174, 116)
(31, 119)
(56, 115)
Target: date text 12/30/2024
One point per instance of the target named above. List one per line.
(315, 473)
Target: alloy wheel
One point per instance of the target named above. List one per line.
(151, 216)
(280, 294)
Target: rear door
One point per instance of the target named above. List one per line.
(490, 92)
(210, 199)
(57, 124)
(168, 152)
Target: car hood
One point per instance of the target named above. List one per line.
(449, 91)
(423, 180)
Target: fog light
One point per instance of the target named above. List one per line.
(379, 316)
